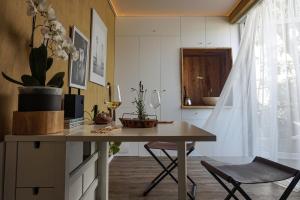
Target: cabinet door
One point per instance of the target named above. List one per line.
(127, 67)
(170, 78)
(192, 32)
(217, 32)
(149, 74)
(149, 62)
(127, 76)
(147, 26)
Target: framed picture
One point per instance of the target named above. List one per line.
(98, 50)
(79, 68)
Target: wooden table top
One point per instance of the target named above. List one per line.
(177, 131)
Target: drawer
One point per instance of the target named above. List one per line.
(75, 154)
(89, 148)
(75, 188)
(89, 175)
(35, 164)
(35, 194)
(196, 114)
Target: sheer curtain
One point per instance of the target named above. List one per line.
(259, 108)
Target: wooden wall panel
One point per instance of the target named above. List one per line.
(14, 51)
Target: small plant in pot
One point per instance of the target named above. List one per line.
(36, 94)
(143, 119)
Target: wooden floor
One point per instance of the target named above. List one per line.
(130, 175)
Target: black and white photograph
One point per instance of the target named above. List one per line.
(79, 68)
(98, 50)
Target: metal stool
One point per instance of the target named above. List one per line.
(260, 170)
(164, 146)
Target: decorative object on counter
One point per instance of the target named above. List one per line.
(114, 101)
(98, 50)
(105, 130)
(73, 122)
(210, 101)
(73, 106)
(40, 102)
(102, 118)
(78, 68)
(165, 122)
(143, 120)
(187, 100)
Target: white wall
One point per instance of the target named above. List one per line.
(148, 49)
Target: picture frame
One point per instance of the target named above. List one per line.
(78, 70)
(98, 55)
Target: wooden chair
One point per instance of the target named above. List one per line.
(167, 169)
(260, 170)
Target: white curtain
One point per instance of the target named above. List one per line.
(259, 108)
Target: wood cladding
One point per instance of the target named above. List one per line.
(241, 9)
(204, 73)
(15, 30)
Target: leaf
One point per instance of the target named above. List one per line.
(11, 79)
(38, 63)
(57, 80)
(49, 63)
(30, 81)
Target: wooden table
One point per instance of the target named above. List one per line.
(179, 132)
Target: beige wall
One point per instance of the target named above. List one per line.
(14, 38)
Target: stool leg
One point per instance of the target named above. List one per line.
(290, 188)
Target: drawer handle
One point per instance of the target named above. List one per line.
(35, 191)
(36, 144)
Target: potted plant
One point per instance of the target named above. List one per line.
(36, 94)
(143, 119)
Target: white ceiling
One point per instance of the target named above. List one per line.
(173, 7)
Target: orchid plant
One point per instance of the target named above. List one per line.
(53, 38)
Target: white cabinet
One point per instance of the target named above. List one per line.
(170, 78)
(127, 67)
(192, 32)
(206, 32)
(147, 26)
(217, 32)
(149, 61)
(148, 50)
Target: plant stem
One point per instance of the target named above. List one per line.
(32, 31)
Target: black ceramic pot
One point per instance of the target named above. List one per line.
(39, 99)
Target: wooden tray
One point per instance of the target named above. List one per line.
(136, 123)
(38, 122)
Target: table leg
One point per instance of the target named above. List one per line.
(103, 171)
(182, 171)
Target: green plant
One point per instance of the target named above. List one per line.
(140, 101)
(114, 147)
(54, 38)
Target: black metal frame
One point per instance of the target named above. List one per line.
(167, 170)
(237, 187)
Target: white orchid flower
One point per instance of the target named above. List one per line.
(51, 13)
(31, 8)
(61, 54)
